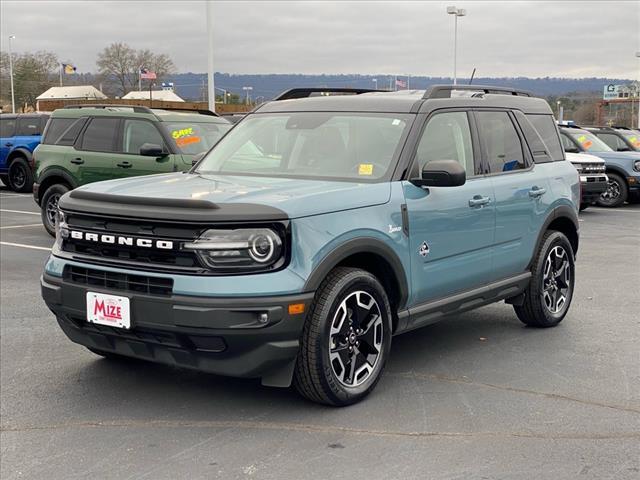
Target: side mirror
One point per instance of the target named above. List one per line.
(441, 173)
(152, 150)
(197, 158)
(571, 150)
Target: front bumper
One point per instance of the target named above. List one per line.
(592, 187)
(224, 336)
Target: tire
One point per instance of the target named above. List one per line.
(20, 175)
(328, 347)
(552, 277)
(584, 206)
(616, 193)
(49, 206)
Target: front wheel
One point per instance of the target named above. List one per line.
(20, 175)
(616, 193)
(584, 206)
(346, 339)
(548, 296)
(49, 207)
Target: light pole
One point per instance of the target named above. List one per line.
(247, 89)
(224, 100)
(211, 92)
(13, 97)
(456, 12)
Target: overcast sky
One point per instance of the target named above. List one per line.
(535, 39)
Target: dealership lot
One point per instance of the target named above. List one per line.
(476, 396)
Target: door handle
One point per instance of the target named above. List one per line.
(8, 144)
(125, 165)
(537, 192)
(479, 201)
(77, 161)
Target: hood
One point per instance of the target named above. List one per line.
(296, 197)
(617, 155)
(583, 158)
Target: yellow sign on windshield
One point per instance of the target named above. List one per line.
(183, 132)
(365, 169)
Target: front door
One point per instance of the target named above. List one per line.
(451, 228)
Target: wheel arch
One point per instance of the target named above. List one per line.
(53, 177)
(19, 152)
(563, 219)
(617, 170)
(372, 255)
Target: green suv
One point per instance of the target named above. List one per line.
(88, 143)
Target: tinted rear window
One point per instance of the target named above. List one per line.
(28, 126)
(100, 135)
(548, 131)
(56, 127)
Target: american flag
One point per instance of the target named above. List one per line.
(401, 83)
(147, 74)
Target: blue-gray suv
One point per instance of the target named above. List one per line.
(320, 226)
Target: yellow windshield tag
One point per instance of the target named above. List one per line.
(365, 169)
(183, 132)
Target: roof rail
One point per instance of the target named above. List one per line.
(136, 108)
(190, 110)
(444, 91)
(305, 92)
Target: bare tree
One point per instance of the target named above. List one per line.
(118, 61)
(33, 73)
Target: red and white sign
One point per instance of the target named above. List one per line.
(110, 310)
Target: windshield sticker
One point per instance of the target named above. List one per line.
(586, 143)
(183, 132)
(365, 169)
(183, 141)
(635, 141)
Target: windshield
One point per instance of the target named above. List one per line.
(192, 138)
(633, 138)
(342, 145)
(589, 142)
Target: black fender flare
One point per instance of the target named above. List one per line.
(54, 173)
(369, 245)
(19, 152)
(561, 211)
(617, 170)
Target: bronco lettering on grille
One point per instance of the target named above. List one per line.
(109, 239)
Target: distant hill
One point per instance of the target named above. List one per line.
(190, 85)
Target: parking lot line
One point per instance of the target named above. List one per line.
(15, 195)
(21, 226)
(21, 245)
(19, 211)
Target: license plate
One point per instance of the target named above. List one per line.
(111, 310)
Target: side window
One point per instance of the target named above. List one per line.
(447, 136)
(567, 144)
(138, 132)
(546, 127)
(501, 144)
(69, 136)
(7, 127)
(613, 141)
(100, 135)
(56, 127)
(28, 126)
(539, 150)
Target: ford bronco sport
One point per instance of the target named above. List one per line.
(317, 229)
(89, 143)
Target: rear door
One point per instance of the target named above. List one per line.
(522, 191)
(134, 133)
(92, 159)
(451, 228)
(28, 132)
(7, 131)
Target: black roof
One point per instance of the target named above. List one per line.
(412, 101)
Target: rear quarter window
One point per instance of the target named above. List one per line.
(62, 131)
(548, 131)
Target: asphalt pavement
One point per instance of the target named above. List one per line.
(477, 396)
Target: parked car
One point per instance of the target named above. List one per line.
(317, 229)
(84, 144)
(20, 134)
(622, 168)
(593, 179)
(619, 139)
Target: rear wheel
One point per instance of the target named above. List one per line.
(49, 206)
(20, 175)
(345, 340)
(616, 193)
(549, 294)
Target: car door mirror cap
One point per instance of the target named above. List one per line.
(441, 173)
(152, 150)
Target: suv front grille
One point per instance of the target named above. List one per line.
(118, 281)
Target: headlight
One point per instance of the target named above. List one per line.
(243, 249)
(636, 165)
(578, 167)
